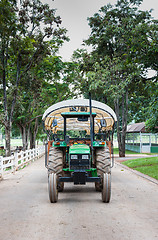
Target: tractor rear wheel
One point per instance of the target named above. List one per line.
(52, 187)
(106, 192)
(103, 163)
(55, 165)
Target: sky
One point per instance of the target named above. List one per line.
(74, 15)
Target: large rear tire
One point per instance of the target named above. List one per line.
(55, 165)
(103, 165)
(52, 187)
(106, 192)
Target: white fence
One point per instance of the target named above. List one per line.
(19, 160)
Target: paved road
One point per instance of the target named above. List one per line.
(27, 214)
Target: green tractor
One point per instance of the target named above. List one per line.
(80, 148)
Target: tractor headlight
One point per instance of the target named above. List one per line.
(74, 157)
(85, 156)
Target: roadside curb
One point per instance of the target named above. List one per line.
(138, 173)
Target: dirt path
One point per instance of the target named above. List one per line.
(27, 214)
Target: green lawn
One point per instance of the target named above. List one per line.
(116, 151)
(16, 142)
(148, 166)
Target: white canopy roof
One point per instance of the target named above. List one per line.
(102, 111)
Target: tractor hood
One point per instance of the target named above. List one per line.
(79, 149)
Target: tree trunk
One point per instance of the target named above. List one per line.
(24, 134)
(7, 120)
(117, 111)
(25, 138)
(7, 138)
(121, 135)
(33, 134)
(8, 115)
(31, 141)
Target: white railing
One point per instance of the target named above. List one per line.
(19, 160)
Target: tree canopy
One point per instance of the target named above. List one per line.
(30, 31)
(124, 46)
(33, 76)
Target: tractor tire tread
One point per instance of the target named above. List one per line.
(55, 164)
(103, 164)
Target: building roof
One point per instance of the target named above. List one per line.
(136, 127)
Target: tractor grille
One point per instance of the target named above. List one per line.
(79, 163)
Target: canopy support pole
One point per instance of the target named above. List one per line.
(91, 121)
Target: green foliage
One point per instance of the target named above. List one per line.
(30, 33)
(152, 108)
(45, 85)
(124, 45)
(2, 152)
(144, 104)
(121, 39)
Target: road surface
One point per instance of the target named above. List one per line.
(27, 214)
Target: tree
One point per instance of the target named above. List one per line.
(45, 84)
(152, 108)
(121, 42)
(23, 43)
(7, 31)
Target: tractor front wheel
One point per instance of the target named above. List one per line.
(52, 187)
(106, 191)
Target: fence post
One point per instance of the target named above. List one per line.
(1, 167)
(27, 156)
(21, 158)
(35, 153)
(140, 142)
(15, 160)
(150, 136)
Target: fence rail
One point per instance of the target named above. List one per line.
(19, 160)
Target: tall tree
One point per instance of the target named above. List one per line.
(121, 42)
(7, 31)
(45, 84)
(24, 37)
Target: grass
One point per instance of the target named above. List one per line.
(148, 166)
(14, 144)
(151, 153)
(116, 151)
